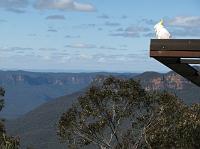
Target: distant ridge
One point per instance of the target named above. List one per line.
(27, 90)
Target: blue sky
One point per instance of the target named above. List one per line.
(89, 35)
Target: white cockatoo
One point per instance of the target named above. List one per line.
(161, 31)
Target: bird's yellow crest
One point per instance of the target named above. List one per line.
(161, 22)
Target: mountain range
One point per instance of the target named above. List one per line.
(37, 128)
(28, 90)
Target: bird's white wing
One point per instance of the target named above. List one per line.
(163, 34)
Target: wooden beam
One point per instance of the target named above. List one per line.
(175, 45)
(184, 54)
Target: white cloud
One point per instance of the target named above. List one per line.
(64, 5)
(101, 60)
(14, 49)
(131, 31)
(85, 56)
(13, 3)
(65, 59)
(16, 6)
(184, 26)
(185, 21)
(81, 46)
(46, 57)
(110, 58)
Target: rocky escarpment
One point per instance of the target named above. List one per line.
(171, 82)
(19, 77)
(168, 81)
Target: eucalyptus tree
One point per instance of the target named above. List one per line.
(109, 115)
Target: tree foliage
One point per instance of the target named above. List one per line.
(175, 124)
(106, 114)
(120, 114)
(6, 142)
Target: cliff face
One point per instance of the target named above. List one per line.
(168, 81)
(173, 83)
(149, 80)
(43, 78)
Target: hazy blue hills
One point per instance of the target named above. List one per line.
(38, 127)
(27, 90)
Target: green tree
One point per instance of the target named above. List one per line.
(175, 124)
(109, 115)
(6, 142)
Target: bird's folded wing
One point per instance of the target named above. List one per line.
(163, 34)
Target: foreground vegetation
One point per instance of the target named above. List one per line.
(121, 114)
(6, 142)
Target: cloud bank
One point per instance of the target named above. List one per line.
(185, 21)
(64, 5)
(13, 3)
(184, 26)
(18, 6)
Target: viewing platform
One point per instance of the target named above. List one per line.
(178, 55)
